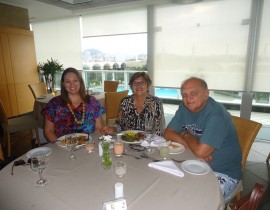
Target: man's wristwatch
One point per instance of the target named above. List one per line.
(184, 133)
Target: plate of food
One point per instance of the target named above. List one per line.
(132, 136)
(175, 148)
(40, 150)
(81, 137)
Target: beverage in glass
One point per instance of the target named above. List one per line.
(164, 152)
(120, 169)
(90, 146)
(118, 148)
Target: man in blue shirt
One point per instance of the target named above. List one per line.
(205, 127)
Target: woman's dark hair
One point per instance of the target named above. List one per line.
(140, 74)
(64, 93)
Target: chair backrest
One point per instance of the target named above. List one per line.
(1, 153)
(110, 86)
(250, 201)
(38, 89)
(3, 115)
(112, 104)
(247, 131)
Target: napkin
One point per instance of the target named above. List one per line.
(167, 166)
(157, 140)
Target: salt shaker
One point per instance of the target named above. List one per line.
(100, 150)
(118, 190)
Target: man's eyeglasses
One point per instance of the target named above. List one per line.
(20, 163)
(139, 83)
(193, 93)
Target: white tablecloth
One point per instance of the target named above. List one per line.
(83, 184)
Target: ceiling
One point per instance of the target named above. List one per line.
(40, 10)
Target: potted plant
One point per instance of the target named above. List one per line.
(48, 70)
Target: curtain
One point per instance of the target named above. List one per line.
(207, 40)
(59, 39)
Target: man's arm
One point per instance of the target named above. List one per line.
(171, 135)
(190, 141)
(201, 150)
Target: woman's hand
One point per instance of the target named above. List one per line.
(106, 130)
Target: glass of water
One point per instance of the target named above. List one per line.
(38, 164)
(150, 130)
(71, 144)
(120, 169)
(164, 152)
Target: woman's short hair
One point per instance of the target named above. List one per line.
(82, 91)
(136, 75)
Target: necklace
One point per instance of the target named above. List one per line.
(79, 122)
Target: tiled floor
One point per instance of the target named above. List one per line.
(256, 168)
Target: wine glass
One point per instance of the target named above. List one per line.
(71, 144)
(38, 164)
(149, 134)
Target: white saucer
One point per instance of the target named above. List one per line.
(40, 150)
(195, 167)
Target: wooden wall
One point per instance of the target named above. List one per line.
(18, 66)
(14, 17)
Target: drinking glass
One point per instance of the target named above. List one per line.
(38, 164)
(90, 146)
(118, 146)
(164, 152)
(71, 144)
(149, 134)
(120, 169)
(54, 92)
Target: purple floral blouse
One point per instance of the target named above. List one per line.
(58, 112)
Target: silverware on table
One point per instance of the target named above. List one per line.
(150, 158)
(136, 157)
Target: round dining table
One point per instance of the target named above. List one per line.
(83, 183)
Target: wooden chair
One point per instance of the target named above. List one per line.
(112, 104)
(110, 86)
(1, 153)
(16, 124)
(247, 131)
(38, 89)
(250, 201)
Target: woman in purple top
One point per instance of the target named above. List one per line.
(73, 111)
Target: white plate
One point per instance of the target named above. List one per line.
(58, 142)
(174, 150)
(40, 150)
(133, 142)
(41, 97)
(195, 167)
